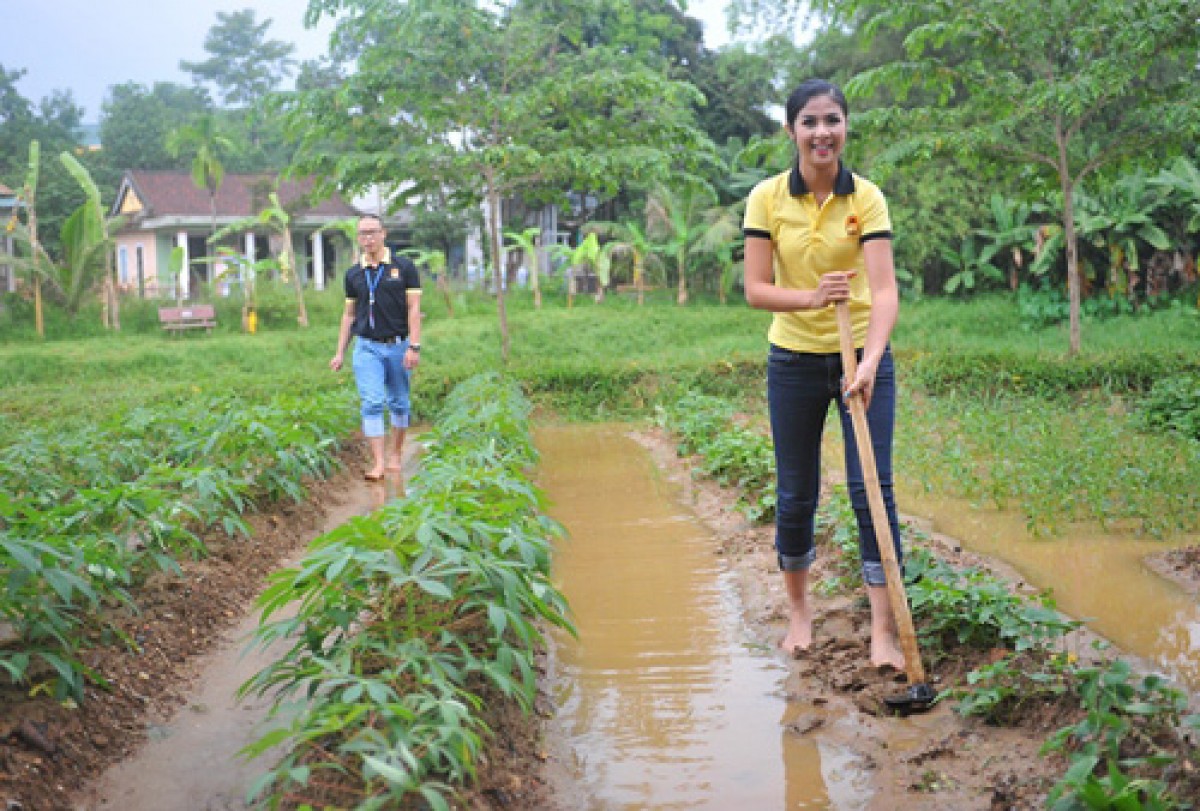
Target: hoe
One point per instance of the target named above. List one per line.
(919, 696)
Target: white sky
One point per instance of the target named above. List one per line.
(86, 46)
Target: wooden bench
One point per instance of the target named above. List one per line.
(178, 319)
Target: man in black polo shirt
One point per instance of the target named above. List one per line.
(383, 310)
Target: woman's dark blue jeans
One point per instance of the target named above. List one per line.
(800, 387)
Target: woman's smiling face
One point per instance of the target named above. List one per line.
(819, 132)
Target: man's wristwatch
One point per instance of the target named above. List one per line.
(415, 347)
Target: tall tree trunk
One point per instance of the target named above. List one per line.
(35, 249)
(533, 277)
(285, 262)
(638, 277)
(38, 320)
(443, 286)
(493, 201)
(1071, 241)
(111, 287)
(681, 296)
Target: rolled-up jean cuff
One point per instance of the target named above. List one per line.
(797, 563)
(373, 426)
(873, 574)
(399, 420)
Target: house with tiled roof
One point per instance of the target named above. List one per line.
(8, 205)
(165, 210)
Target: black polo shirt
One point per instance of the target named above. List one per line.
(394, 280)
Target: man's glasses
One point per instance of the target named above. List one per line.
(371, 232)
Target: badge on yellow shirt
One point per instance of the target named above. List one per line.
(852, 225)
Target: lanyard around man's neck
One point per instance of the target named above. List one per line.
(372, 285)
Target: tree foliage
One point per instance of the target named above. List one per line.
(1071, 86)
(243, 65)
(136, 120)
(489, 104)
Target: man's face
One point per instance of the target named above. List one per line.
(370, 233)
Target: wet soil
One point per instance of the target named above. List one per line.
(1180, 565)
(50, 754)
(936, 760)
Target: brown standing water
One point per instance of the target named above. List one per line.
(665, 700)
(1094, 576)
(192, 760)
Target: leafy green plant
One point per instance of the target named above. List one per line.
(409, 618)
(1121, 742)
(86, 513)
(733, 455)
(1173, 404)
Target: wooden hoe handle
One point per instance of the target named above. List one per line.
(879, 517)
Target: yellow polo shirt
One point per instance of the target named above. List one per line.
(811, 240)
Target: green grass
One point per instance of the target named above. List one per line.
(993, 411)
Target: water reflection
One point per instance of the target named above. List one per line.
(661, 698)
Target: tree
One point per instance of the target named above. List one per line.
(52, 122)
(278, 220)
(529, 243)
(88, 247)
(1071, 86)
(136, 121)
(434, 262)
(677, 218)
(630, 237)
(38, 263)
(208, 147)
(243, 65)
(492, 104)
(1011, 233)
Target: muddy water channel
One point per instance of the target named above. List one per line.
(1094, 576)
(665, 700)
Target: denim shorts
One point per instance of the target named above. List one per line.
(382, 384)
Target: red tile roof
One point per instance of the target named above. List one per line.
(5, 189)
(172, 194)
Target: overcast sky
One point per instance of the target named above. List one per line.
(86, 46)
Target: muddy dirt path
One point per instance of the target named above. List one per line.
(191, 760)
(172, 727)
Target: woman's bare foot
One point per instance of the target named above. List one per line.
(885, 652)
(375, 474)
(799, 635)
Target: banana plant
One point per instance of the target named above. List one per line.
(972, 266)
(1118, 219)
(583, 257)
(676, 219)
(1181, 182)
(1012, 233)
(87, 245)
(434, 261)
(720, 239)
(278, 219)
(630, 237)
(529, 243)
(38, 264)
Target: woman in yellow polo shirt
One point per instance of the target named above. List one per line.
(815, 235)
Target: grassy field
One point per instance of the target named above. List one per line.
(998, 411)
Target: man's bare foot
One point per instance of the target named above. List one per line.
(885, 653)
(375, 474)
(799, 636)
